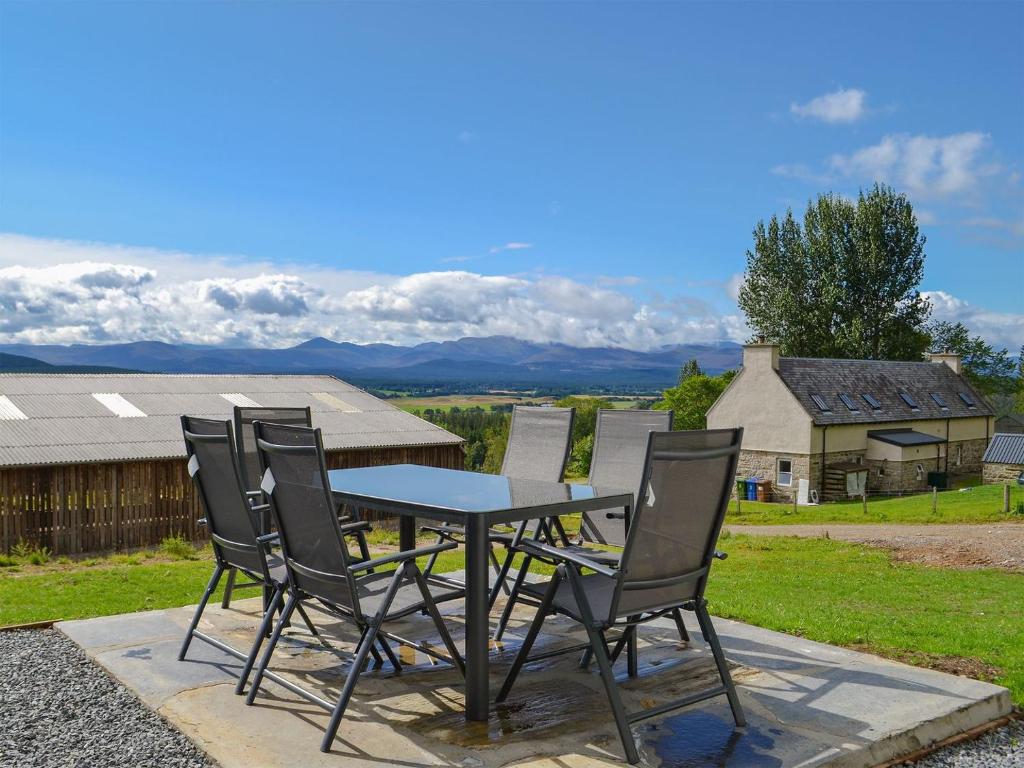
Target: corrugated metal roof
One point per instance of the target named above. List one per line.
(1005, 449)
(67, 425)
(884, 380)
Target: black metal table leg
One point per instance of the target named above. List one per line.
(406, 532)
(477, 618)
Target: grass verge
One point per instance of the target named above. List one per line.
(977, 504)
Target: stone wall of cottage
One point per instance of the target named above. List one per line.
(1001, 473)
(971, 452)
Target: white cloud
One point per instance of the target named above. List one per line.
(1002, 329)
(510, 247)
(926, 166)
(846, 105)
(54, 291)
(801, 172)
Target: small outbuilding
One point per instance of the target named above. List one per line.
(96, 461)
(1003, 461)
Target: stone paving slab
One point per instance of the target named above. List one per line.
(807, 704)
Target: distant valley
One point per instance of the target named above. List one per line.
(469, 364)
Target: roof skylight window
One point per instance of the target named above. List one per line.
(940, 401)
(848, 402)
(820, 402)
(907, 398)
(9, 411)
(872, 401)
(969, 401)
(335, 402)
(117, 405)
(242, 401)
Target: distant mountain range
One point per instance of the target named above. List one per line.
(20, 364)
(494, 361)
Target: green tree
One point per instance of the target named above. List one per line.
(845, 284)
(990, 370)
(1020, 380)
(690, 368)
(692, 399)
(585, 421)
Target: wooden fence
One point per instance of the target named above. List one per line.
(78, 508)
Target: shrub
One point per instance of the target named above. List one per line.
(579, 460)
(6, 561)
(178, 547)
(1018, 509)
(25, 552)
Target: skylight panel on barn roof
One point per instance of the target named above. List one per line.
(820, 402)
(873, 401)
(242, 401)
(335, 402)
(117, 405)
(969, 401)
(940, 401)
(848, 402)
(907, 398)
(9, 411)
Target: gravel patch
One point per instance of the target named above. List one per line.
(1002, 748)
(57, 708)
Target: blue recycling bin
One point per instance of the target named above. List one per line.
(752, 488)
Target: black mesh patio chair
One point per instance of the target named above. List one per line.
(669, 549)
(323, 574)
(539, 441)
(617, 461)
(249, 464)
(252, 472)
(234, 530)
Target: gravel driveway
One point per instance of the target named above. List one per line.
(57, 708)
(998, 749)
(992, 545)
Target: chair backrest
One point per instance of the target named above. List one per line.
(539, 440)
(688, 478)
(246, 440)
(620, 449)
(299, 493)
(213, 465)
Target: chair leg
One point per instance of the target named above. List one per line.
(513, 597)
(433, 558)
(265, 624)
(442, 629)
(704, 618)
(597, 643)
(210, 587)
(366, 643)
(309, 624)
(392, 658)
(631, 654)
(229, 587)
(531, 635)
(278, 628)
(501, 570)
(683, 634)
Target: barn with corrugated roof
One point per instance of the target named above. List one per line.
(96, 461)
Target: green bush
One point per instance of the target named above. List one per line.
(6, 561)
(25, 552)
(579, 459)
(178, 547)
(1018, 509)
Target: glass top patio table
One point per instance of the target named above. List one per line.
(475, 501)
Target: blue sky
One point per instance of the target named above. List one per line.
(590, 173)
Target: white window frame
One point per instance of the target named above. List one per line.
(779, 474)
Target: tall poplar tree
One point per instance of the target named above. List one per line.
(844, 284)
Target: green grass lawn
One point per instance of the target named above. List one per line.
(979, 504)
(823, 590)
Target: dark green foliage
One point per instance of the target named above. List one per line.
(843, 285)
(583, 426)
(692, 398)
(690, 368)
(990, 370)
(485, 433)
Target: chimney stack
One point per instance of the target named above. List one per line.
(952, 359)
(761, 357)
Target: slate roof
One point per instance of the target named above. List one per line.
(904, 437)
(884, 380)
(56, 420)
(1005, 449)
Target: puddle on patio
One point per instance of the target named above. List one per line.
(705, 740)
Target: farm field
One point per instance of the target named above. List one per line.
(447, 402)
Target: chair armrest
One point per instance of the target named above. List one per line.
(719, 555)
(400, 557)
(540, 550)
(443, 530)
(357, 527)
